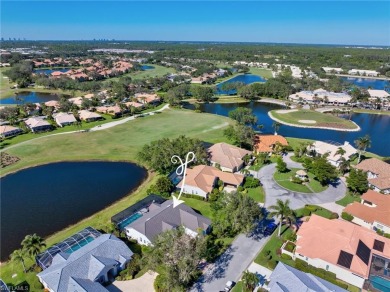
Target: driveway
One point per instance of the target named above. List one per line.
(232, 263)
(273, 191)
(145, 283)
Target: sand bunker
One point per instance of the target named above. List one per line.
(307, 121)
(286, 111)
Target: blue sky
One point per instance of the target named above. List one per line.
(320, 22)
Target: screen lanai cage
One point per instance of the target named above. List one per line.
(67, 246)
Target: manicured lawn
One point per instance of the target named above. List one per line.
(99, 220)
(321, 119)
(348, 199)
(257, 194)
(374, 112)
(158, 71)
(295, 142)
(268, 256)
(319, 211)
(261, 72)
(283, 179)
(202, 207)
(121, 142)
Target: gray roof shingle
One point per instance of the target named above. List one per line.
(164, 217)
(84, 265)
(286, 278)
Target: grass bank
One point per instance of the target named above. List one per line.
(374, 112)
(312, 119)
(119, 143)
(283, 179)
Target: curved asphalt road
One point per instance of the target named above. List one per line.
(297, 200)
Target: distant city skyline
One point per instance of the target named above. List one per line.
(295, 22)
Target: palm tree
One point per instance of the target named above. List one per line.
(344, 165)
(340, 151)
(18, 255)
(276, 127)
(362, 143)
(33, 244)
(283, 211)
(244, 171)
(250, 280)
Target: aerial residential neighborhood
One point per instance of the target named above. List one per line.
(176, 146)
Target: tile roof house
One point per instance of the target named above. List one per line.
(52, 103)
(64, 119)
(229, 157)
(87, 268)
(88, 116)
(76, 100)
(37, 124)
(9, 131)
(266, 143)
(147, 97)
(162, 217)
(286, 278)
(378, 173)
(372, 212)
(111, 110)
(376, 93)
(352, 252)
(321, 148)
(201, 180)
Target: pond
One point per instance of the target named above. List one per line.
(368, 83)
(147, 67)
(49, 71)
(29, 97)
(244, 78)
(46, 199)
(377, 126)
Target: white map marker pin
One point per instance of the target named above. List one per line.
(181, 170)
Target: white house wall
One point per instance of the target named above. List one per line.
(341, 273)
(131, 233)
(381, 226)
(194, 191)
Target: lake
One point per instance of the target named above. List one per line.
(48, 198)
(147, 67)
(49, 71)
(32, 97)
(368, 83)
(244, 78)
(377, 126)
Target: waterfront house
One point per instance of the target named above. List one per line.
(287, 278)
(375, 93)
(321, 95)
(361, 72)
(267, 143)
(163, 217)
(332, 70)
(378, 173)
(7, 131)
(88, 116)
(37, 124)
(202, 179)
(373, 211)
(354, 253)
(229, 158)
(52, 103)
(64, 119)
(76, 101)
(322, 148)
(87, 268)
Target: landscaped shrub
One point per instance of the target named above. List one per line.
(271, 264)
(312, 208)
(296, 180)
(380, 232)
(251, 182)
(278, 251)
(347, 216)
(289, 246)
(301, 264)
(193, 197)
(387, 235)
(303, 212)
(286, 256)
(334, 215)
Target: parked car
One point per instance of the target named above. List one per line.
(270, 228)
(229, 285)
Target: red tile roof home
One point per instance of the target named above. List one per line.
(109, 109)
(147, 97)
(64, 119)
(87, 115)
(379, 172)
(204, 176)
(89, 96)
(379, 211)
(52, 103)
(325, 239)
(265, 143)
(227, 156)
(134, 104)
(56, 73)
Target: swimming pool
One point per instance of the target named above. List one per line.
(80, 244)
(380, 283)
(129, 220)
